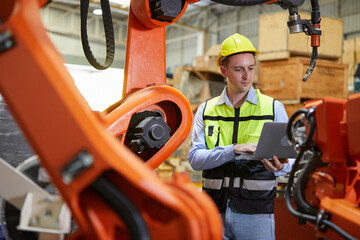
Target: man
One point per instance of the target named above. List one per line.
(228, 125)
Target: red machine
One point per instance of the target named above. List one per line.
(111, 193)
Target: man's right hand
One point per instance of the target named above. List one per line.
(244, 147)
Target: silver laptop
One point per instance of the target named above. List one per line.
(273, 141)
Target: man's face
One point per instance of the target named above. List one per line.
(240, 72)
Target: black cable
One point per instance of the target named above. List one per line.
(109, 34)
(314, 57)
(123, 206)
(339, 230)
(288, 194)
(290, 124)
(315, 5)
(299, 188)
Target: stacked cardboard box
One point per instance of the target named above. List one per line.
(208, 61)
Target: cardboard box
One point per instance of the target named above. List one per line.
(275, 41)
(213, 51)
(282, 79)
(208, 61)
(348, 57)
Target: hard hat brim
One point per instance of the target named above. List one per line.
(219, 57)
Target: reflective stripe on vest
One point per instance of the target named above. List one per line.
(254, 185)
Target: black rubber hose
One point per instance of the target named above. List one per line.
(289, 184)
(290, 123)
(299, 188)
(240, 2)
(315, 5)
(109, 34)
(313, 60)
(315, 12)
(124, 207)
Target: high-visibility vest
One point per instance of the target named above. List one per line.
(241, 182)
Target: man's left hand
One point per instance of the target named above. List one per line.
(274, 165)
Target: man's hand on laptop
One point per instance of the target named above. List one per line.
(275, 164)
(244, 148)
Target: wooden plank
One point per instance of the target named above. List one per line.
(273, 55)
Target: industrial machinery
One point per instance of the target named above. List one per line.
(327, 192)
(110, 190)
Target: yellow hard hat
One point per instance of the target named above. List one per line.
(236, 43)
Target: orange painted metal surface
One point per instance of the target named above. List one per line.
(58, 124)
(336, 187)
(343, 213)
(145, 61)
(170, 102)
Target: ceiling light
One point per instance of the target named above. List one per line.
(97, 11)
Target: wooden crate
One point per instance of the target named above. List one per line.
(357, 49)
(208, 61)
(275, 41)
(282, 79)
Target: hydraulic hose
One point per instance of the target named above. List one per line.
(124, 207)
(315, 6)
(290, 182)
(313, 60)
(240, 2)
(299, 188)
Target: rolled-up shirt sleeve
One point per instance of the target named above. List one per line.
(200, 157)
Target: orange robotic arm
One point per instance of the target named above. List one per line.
(109, 190)
(153, 119)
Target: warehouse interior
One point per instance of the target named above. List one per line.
(192, 44)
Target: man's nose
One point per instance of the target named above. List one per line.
(245, 74)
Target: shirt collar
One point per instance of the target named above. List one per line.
(250, 97)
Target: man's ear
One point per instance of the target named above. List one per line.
(223, 71)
